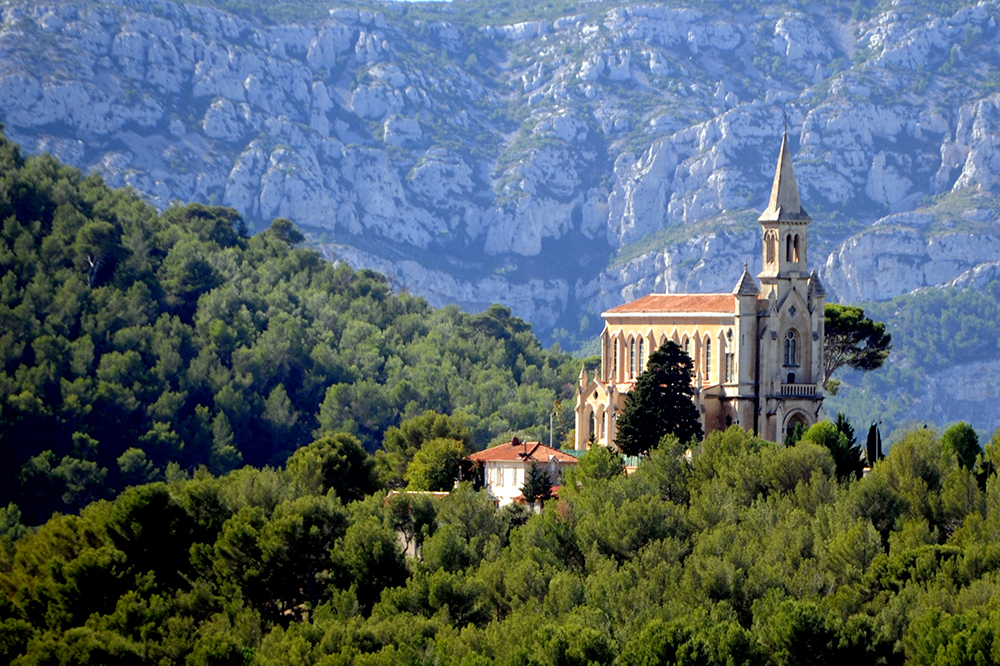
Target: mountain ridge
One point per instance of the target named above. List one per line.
(560, 165)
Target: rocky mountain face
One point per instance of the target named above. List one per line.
(559, 166)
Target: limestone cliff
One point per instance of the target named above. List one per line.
(559, 165)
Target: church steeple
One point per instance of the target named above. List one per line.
(746, 286)
(784, 204)
(783, 223)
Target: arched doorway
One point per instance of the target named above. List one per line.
(793, 420)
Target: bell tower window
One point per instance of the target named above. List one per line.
(791, 349)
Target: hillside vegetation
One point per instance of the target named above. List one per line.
(751, 553)
(132, 341)
(935, 331)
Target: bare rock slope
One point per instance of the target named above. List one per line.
(558, 165)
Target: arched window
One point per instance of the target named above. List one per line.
(631, 358)
(593, 425)
(769, 244)
(687, 345)
(642, 354)
(791, 348)
(604, 425)
(788, 247)
(795, 248)
(708, 358)
(614, 366)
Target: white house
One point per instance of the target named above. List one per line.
(505, 467)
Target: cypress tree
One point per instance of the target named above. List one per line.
(660, 404)
(537, 485)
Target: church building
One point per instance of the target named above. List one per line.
(757, 352)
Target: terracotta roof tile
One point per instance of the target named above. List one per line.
(721, 303)
(531, 451)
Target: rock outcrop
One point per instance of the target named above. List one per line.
(420, 147)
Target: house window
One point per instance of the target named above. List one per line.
(631, 359)
(730, 368)
(708, 358)
(791, 349)
(642, 354)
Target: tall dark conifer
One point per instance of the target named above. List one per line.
(660, 404)
(537, 485)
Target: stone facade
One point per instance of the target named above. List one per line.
(757, 352)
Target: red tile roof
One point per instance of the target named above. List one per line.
(530, 451)
(654, 303)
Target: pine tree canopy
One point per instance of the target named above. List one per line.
(537, 485)
(660, 404)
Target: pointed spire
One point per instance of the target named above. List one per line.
(815, 286)
(784, 203)
(747, 286)
(583, 377)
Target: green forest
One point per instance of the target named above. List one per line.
(749, 552)
(199, 428)
(135, 344)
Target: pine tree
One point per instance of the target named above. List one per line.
(537, 485)
(660, 404)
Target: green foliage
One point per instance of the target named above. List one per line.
(739, 551)
(962, 441)
(285, 231)
(132, 341)
(853, 340)
(932, 330)
(600, 463)
(660, 404)
(400, 444)
(334, 463)
(537, 485)
(846, 454)
(436, 465)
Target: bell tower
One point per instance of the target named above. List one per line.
(783, 225)
(790, 321)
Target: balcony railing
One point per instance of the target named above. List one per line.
(798, 389)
